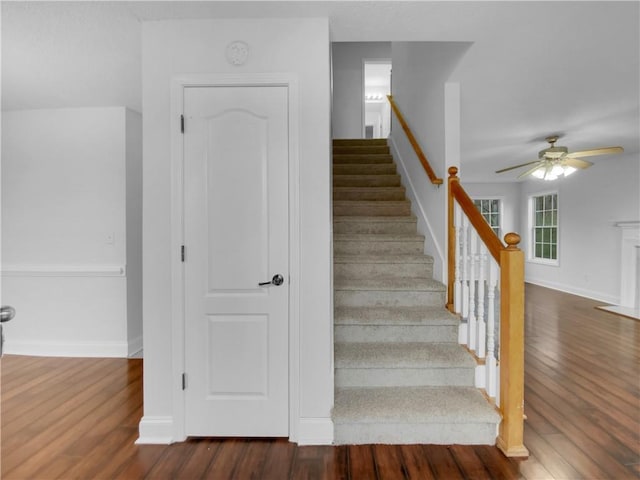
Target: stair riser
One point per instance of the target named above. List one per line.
(386, 298)
(366, 181)
(375, 169)
(341, 247)
(393, 270)
(390, 228)
(352, 159)
(362, 149)
(382, 194)
(415, 433)
(403, 377)
(369, 209)
(358, 141)
(395, 333)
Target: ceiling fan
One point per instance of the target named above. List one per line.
(554, 162)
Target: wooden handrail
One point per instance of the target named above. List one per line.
(486, 233)
(414, 143)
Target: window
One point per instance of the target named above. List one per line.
(544, 220)
(490, 210)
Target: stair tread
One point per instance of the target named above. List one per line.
(356, 158)
(374, 219)
(378, 237)
(402, 355)
(371, 202)
(397, 315)
(355, 147)
(366, 180)
(361, 150)
(410, 405)
(363, 175)
(368, 189)
(382, 258)
(359, 141)
(363, 165)
(389, 284)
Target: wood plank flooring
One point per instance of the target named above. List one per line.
(78, 418)
(582, 388)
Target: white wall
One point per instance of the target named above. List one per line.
(420, 71)
(300, 46)
(133, 152)
(348, 83)
(590, 202)
(64, 230)
(510, 195)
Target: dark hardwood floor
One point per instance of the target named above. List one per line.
(78, 418)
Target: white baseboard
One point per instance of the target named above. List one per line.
(156, 430)
(315, 431)
(67, 349)
(415, 202)
(599, 296)
(135, 346)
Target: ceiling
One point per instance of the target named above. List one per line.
(535, 68)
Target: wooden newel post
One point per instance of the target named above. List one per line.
(511, 434)
(451, 239)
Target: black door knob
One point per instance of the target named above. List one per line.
(277, 280)
(7, 313)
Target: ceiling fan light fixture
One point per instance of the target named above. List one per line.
(554, 162)
(539, 172)
(551, 171)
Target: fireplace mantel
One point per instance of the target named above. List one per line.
(629, 260)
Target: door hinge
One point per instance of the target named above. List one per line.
(182, 253)
(181, 123)
(184, 381)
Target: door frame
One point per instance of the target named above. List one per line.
(178, 84)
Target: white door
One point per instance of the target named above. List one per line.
(236, 153)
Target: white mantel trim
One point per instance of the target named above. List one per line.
(628, 262)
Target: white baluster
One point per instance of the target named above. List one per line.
(490, 362)
(473, 244)
(482, 329)
(465, 269)
(457, 282)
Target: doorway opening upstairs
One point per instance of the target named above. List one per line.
(376, 108)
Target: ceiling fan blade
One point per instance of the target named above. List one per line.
(517, 166)
(595, 151)
(531, 170)
(576, 163)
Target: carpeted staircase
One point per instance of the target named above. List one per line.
(401, 376)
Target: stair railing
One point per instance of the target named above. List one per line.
(486, 288)
(414, 143)
(484, 273)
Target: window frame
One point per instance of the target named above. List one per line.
(531, 257)
(500, 201)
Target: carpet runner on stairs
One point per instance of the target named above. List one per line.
(401, 376)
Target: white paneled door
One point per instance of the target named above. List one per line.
(236, 224)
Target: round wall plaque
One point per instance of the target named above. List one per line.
(237, 53)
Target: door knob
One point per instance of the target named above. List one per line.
(7, 313)
(277, 280)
